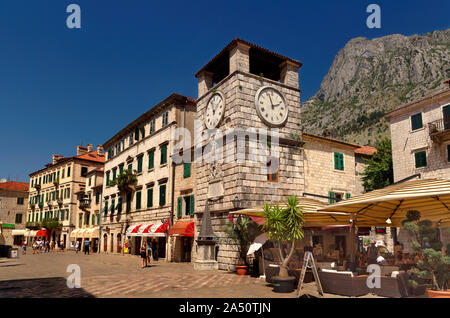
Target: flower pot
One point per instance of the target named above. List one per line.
(283, 284)
(438, 293)
(241, 270)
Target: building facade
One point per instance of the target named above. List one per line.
(144, 147)
(52, 191)
(13, 210)
(420, 134)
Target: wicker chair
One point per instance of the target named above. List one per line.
(343, 283)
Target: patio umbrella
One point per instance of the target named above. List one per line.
(312, 216)
(257, 244)
(387, 207)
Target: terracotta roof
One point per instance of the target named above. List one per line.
(14, 186)
(366, 150)
(331, 140)
(92, 156)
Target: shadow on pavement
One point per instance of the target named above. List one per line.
(53, 287)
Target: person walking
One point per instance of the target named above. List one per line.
(149, 252)
(143, 254)
(77, 246)
(155, 250)
(87, 245)
(24, 247)
(34, 247)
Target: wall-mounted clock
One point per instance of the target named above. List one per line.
(271, 106)
(214, 110)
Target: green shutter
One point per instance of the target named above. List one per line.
(130, 167)
(120, 169)
(162, 195)
(113, 206)
(93, 219)
(128, 202)
(416, 121)
(330, 196)
(119, 205)
(149, 198)
(138, 200)
(187, 170)
(106, 208)
(107, 178)
(348, 196)
(421, 159)
(114, 174)
(336, 160)
(341, 161)
(192, 205)
(179, 207)
(163, 154)
(151, 160)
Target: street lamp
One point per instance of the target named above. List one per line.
(236, 202)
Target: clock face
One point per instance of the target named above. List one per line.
(271, 106)
(214, 110)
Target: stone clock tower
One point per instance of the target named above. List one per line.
(246, 86)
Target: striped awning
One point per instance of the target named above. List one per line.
(310, 211)
(387, 207)
(74, 233)
(150, 229)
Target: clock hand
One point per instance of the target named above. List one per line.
(271, 100)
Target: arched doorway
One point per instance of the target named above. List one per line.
(105, 242)
(112, 243)
(119, 243)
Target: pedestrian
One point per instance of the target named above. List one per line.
(86, 246)
(372, 253)
(155, 250)
(77, 247)
(143, 256)
(52, 245)
(47, 246)
(24, 247)
(149, 252)
(34, 247)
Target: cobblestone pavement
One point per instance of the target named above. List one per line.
(104, 275)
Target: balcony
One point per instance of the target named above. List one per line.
(85, 204)
(439, 130)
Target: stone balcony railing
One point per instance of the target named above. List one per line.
(438, 128)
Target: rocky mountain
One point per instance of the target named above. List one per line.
(371, 77)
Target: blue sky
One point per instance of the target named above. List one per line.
(62, 87)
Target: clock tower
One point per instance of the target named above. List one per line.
(247, 88)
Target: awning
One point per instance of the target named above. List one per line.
(387, 207)
(82, 233)
(74, 233)
(149, 229)
(312, 216)
(20, 232)
(42, 232)
(32, 233)
(182, 229)
(94, 232)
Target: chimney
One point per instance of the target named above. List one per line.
(89, 147)
(99, 150)
(55, 158)
(81, 150)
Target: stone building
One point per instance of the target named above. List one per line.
(420, 134)
(13, 209)
(145, 146)
(88, 220)
(52, 191)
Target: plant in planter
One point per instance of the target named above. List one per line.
(284, 226)
(51, 224)
(241, 233)
(125, 182)
(434, 265)
(56, 183)
(37, 187)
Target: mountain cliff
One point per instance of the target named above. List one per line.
(371, 77)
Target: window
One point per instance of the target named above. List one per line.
(107, 178)
(62, 215)
(162, 195)
(68, 172)
(131, 139)
(421, 159)
(347, 196)
(114, 175)
(63, 170)
(136, 134)
(128, 202)
(89, 182)
(119, 205)
(338, 161)
(272, 172)
(130, 167)
(139, 164)
(152, 126)
(120, 169)
(106, 208)
(97, 197)
(187, 170)
(93, 219)
(84, 171)
(18, 218)
(149, 198)
(189, 205)
(80, 220)
(331, 197)
(163, 154)
(179, 207)
(142, 132)
(20, 201)
(113, 206)
(151, 159)
(165, 118)
(416, 121)
(138, 200)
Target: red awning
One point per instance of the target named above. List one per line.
(258, 220)
(42, 232)
(182, 229)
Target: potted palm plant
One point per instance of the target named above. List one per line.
(241, 233)
(284, 226)
(125, 182)
(434, 266)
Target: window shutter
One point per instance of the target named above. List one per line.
(113, 203)
(336, 161)
(139, 164)
(128, 202)
(106, 208)
(138, 200)
(341, 161)
(119, 205)
(162, 195)
(179, 206)
(330, 196)
(151, 160)
(149, 198)
(348, 196)
(187, 170)
(163, 154)
(192, 205)
(107, 179)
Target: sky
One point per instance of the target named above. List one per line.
(62, 87)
